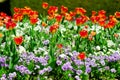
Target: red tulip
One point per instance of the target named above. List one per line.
(64, 9)
(45, 5)
(117, 14)
(33, 20)
(58, 18)
(81, 56)
(53, 28)
(59, 46)
(10, 25)
(83, 33)
(18, 40)
(80, 11)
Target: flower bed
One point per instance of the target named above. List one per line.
(60, 46)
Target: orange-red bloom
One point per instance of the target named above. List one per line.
(80, 11)
(63, 9)
(3, 14)
(18, 40)
(83, 33)
(16, 10)
(68, 17)
(101, 13)
(94, 13)
(81, 20)
(33, 20)
(45, 5)
(81, 56)
(25, 10)
(110, 24)
(10, 25)
(58, 18)
(53, 28)
(101, 23)
(59, 46)
(95, 19)
(44, 24)
(17, 17)
(53, 8)
(33, 14)
(93, 33)
(117, 14)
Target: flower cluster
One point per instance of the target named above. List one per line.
(68, 44)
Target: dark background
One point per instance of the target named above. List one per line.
(5, 7)
(111, 6)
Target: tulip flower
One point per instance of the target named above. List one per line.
(44, 5)
(59, 46)
(117, 14)
(80, 11)
(58, 18)
(53, 28)
(18, 40)
(81, 56)
(33, 20)
(83, 33)
(63, 9)
(10, 25)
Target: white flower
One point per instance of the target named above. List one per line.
(19, 32)
(45, 53)
(3, 44)
(62, 55)
(75, 27)
(70, 26)
(27, 38)
(62, 28)
(110, 43)
(37, 28)
(41, 49)
(98, 48)
(2, 28)
(21, 49)
(112, 50)
(108, 53)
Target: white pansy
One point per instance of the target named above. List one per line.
(70, 26)
(46, 30)
(96, 28)
(75, 36)
(27, 38)
(75, 27)
(41, 49)
(62, 55)
(99, 53)
(26, 24)
(3, 44)
(110, 43)
(70, 54)
(111, 50)
(45, 53)
(19, 33)
(97, 48)
(21, 49)
(12, 36)
(39, 21)
(37, 28)
(62, 29)
(2, 28)
(108, 53)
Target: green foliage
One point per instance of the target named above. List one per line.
(110, 6)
